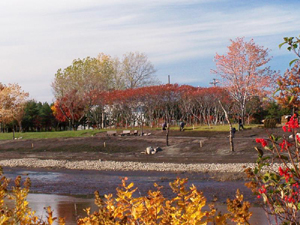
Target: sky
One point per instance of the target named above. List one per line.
(180, 37)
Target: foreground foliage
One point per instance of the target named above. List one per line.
(128, 207)
(279, 189)
(187, 207)
(14, 207)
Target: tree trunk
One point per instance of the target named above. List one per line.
(243, 109)
(231, 134)
(167, 134)
(70, 126)
(20, 126)
(102, 123)
(13, 132)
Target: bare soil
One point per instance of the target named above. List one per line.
(184, 147)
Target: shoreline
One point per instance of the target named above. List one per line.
(129, 165)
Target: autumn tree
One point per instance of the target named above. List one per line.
(137, 70)
(289, 88)
(244, 71)
(288, 85)
(170, 103)
(70, 108)
(227, 105)
(12, 103)
(80, 88)
(74, 86)
(5, 115)
(186, 103)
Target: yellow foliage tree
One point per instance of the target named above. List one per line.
(185, 208)
(19, 212)
(128, 207)
(12, 103)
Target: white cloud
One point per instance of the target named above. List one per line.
(38, 37)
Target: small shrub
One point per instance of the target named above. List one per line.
(185, 208)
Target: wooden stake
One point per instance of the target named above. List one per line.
(200, 144)
(31, 145)
(104, 145)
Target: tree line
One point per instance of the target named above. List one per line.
(111, 92)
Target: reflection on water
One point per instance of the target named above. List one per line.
(72, 207)
(63, 206)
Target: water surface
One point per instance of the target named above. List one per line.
(68, 192)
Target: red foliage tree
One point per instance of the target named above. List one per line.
(69, 108)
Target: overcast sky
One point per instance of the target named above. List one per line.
(180, 37)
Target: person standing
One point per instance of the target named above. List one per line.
(240, 124)
(181, 126)
(164, 126)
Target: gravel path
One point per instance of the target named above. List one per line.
(128, 166)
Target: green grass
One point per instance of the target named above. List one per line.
(52, 134)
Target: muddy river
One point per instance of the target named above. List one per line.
(68, 192)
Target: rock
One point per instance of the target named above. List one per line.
(149, 150)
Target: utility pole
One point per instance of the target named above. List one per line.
(215, 82)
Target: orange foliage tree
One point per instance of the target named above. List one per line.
(12, 103)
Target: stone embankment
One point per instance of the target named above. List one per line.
(127, 166)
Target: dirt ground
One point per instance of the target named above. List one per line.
(184, 147)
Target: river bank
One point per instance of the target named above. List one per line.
(126, 166)
(216, 171)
